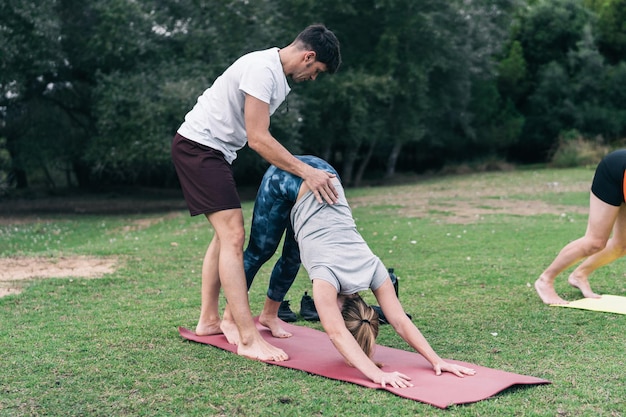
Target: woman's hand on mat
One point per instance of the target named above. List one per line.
(457, 370)
(394, 379)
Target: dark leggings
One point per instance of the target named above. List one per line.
(270, 220)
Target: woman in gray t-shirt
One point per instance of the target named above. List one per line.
(340, 265)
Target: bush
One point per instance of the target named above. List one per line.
(574, 150)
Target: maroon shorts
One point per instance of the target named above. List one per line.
(205, 177)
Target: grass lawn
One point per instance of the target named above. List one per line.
(466, 248)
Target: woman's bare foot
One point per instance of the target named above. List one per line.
(583, 285)
(275, 325)
(547, 293)
(206, 329)
(230, 330)
(261, 350)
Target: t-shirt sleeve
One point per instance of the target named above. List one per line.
(258, 82)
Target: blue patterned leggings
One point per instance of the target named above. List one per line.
(270, 220)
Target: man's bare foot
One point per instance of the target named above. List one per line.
(230, 330)
(275, 325)
(583, 285)
(261, 350)
(206, 329)
(547, 293)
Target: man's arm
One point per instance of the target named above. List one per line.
(257, 118)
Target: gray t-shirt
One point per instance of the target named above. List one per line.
(331, 248)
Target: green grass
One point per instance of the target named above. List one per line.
(109, 346)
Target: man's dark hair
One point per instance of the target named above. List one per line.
(325, 44)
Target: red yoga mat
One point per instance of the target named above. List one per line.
(312, 351)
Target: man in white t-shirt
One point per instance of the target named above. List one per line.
(234, 111)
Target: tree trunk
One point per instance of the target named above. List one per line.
(359, 174)
(348, 167)
(17, 174)
(20, 178)
(68, 176)
(82, 174)
(393, 160)
(49, 179)
(326, 152)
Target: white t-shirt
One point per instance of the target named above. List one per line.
(217, 119)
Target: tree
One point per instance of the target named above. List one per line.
(139, 109)
(29, 61)
(63, 46)
(92, 92)
(436, 51)
(546, 31)
(595, 113)
(550, 29)
(512, 76)
(611, 28)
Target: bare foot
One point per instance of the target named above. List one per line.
(261, 350)
(583, 285)
(205, 329)
(275, 325)
(230, 330)
(547, 293)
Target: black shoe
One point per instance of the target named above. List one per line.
(381, 316)
(394, 281)
(285, 313)
(307, 308)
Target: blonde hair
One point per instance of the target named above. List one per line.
(362, 321)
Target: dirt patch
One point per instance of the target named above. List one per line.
(470, 202)
(16, 269)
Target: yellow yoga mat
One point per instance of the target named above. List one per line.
(607, 303)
